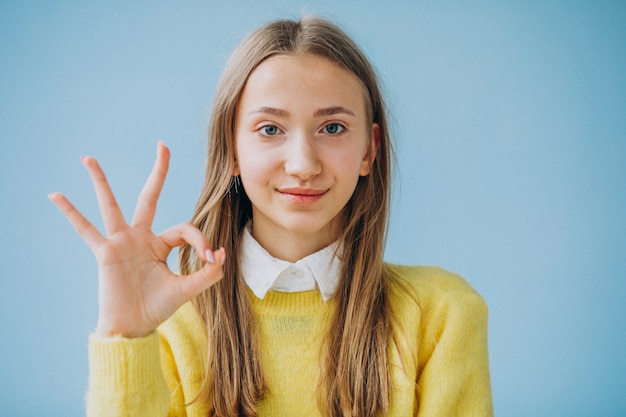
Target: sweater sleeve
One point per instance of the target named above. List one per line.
(454, 376)
(126, 378)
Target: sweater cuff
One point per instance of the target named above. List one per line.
(119, 364)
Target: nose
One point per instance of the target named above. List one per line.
(302, 159)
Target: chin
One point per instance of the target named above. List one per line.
(311, 227)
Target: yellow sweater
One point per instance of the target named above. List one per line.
(439, 361)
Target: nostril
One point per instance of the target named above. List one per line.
(302, 161)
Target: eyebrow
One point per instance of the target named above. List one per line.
(271, 110)
(328, 111)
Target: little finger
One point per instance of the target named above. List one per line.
(85, 229)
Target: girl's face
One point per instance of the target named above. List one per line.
(302, 141)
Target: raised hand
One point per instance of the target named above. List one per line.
(136, 289)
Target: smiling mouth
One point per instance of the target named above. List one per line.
(302, 196)
(302, 191)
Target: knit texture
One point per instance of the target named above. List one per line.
(438, 357)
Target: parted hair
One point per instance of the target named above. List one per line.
(353, 364)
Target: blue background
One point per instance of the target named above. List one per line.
(510, 125)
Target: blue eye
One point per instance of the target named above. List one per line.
(333, 128)
(270, 130)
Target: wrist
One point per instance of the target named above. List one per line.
(105, 330)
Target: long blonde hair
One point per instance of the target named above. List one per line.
(355, 371)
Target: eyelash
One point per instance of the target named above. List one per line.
(341, 127)
(263, 129)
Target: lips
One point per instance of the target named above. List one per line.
(302, 191)
(302, 196)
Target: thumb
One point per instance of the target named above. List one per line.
(193, 284)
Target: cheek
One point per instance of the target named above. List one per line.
(249, 172)
(349, 161)
(346, 172)
(245, 159)
(255, 167)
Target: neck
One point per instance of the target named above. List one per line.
(293, 246)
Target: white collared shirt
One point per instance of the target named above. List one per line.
(262, 272)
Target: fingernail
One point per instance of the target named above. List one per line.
(208, 254)
(83, 159)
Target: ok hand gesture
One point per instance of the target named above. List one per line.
(136, 289)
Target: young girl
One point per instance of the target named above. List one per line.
(295, 314)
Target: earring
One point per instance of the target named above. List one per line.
(234, 182)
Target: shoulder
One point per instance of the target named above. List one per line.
(430, 278)
(440, 325)
(433, 287)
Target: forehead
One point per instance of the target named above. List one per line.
(303, 79)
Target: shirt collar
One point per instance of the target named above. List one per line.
(263, 272)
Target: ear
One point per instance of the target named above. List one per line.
(372, 151)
